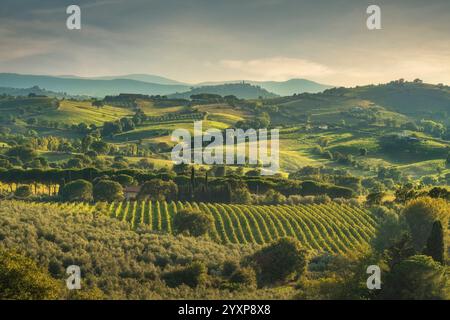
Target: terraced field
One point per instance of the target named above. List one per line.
(330, 227)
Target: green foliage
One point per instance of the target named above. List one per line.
(124, 179)
(245, 277)
(78, 190)
(107, 190)
(389, 231)
(435, 247)
(417, 278)
(229, 267)
(193, 222)
(23, 192)
(420, 215)
(157, 189)
(22, 279)
(193, 275)
(100, 147)
(25, 154)
(279, 261)
(274, 197)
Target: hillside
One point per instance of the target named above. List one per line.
(15, 92)
(150, 78)
(281, 88)
(394, 100)
(80, 86)
(240, 90)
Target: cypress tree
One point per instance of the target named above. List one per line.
(435, 247)
(192, 182)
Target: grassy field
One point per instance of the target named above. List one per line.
(74, 112)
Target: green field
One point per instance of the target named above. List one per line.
(74, 112)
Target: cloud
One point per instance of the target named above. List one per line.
(277, 68)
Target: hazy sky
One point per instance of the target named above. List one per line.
(208, 40)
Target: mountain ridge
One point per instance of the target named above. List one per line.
(139, 83)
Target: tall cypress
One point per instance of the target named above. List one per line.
(192, 182)
(435, 247)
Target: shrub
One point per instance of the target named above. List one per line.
(157, 189)
(416, 278)
(23, 192)
(193, 222)
(420, 214)
(193, 275)
(124, 179)
(245, 277)
(78, 190)
(107, 190)
(229, 267)
(22, 279)
(280, 261)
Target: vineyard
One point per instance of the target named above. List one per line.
(330, 227)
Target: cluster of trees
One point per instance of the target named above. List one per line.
(194, 185)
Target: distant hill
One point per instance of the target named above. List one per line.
(37, 91)
(395, 100)
(281, 88)
(240, 90)
(81, 86)
(155, 85)
(138, 77)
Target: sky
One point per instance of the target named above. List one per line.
(221, 40)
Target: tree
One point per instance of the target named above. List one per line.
(111, 128)
(86, 143)
(22, 279)
(375, 198)
(416, 278)
(78, 190)
(192, 275)
(101, 147)
(75, 163)
(157, 189)
(244, 277)
(124, 179)
(280, 261)
(146, 164)
(193, 222)
(390, 229)
(127, 124)
(23, 192)
(25, 154)
(435, 247)
(107, 190)
(420, 214)
(97, 103)
(274, 197)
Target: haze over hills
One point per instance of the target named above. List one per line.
(152, 85)
(150, 78)
(91, 87)
(240, 90)
(281, 88)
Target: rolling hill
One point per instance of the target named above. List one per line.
(281, 88)
(155, 85)
(150, 78)
(240, 90)
(402, 101)
(90, 87)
